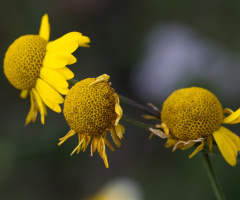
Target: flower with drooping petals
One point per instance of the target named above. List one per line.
(91, 108)
(192, 115)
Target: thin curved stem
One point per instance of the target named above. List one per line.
(141, 107)
(136, 123)
(216, 187)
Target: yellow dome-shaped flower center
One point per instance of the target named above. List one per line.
(192, 113)
(23, 61)
(90, 109)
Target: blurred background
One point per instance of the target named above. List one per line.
(149, 48)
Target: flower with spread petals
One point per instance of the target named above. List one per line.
(192, 115)
(91, 108)
(34, 65)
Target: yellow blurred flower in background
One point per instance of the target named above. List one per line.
(36, 66)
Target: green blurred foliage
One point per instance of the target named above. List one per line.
(33, 167)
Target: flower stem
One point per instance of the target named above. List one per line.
(72, 81)
(146, 109)
(217, 190)
(136, 123)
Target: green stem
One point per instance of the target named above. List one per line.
(136, 123)
(73, 81)
(217, 190)
(146, 109)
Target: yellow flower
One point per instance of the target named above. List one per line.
(192, 115)
(91, 108)
(36, 66)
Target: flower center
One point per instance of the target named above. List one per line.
(192, 113)
(23, 61)
(90, 110)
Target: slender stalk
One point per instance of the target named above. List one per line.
(146, 109)
(72, 81)
(136, 123)
(216, 187)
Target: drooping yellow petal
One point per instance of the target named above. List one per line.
(102, 151)
(24, 94)
(68, 43)
(108, 144)
(119, 131)
(49, 96)
(78, 147)
(67, 73)
(32, 113)
(199, 148)
(44, 31)
(40, 104)
(231, 136)
(164, 127)
(85, 142)
(232, 118)
(54, 79)
(118, 109)
(94, 145)
(170, 142)
(58, 60)
(226, 146)
(69, 134)
(115, 137)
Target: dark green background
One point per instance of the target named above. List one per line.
(33, 167)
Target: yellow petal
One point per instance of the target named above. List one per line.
(119, 129)
(108, 143)
(24, 94)
(32, 114)
(94, 145)
(83, 41)
(170, 142)
(226, 146)
(199, 148)
(54, 79)
(85, 142)
(232, 118)
(44, 31)
(102, 151)
(102, 78)
(68, 43)
(69, 134)
(227, 111)
(39, 104)
(118, 109)
(231, 136)
(58, 60)
(67, 73)
(115, 137)
(49, 96)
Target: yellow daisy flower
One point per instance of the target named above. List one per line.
(192, 115)
(91, 108)
(36, 66)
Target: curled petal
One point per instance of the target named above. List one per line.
(232, 118)
(68, 43)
